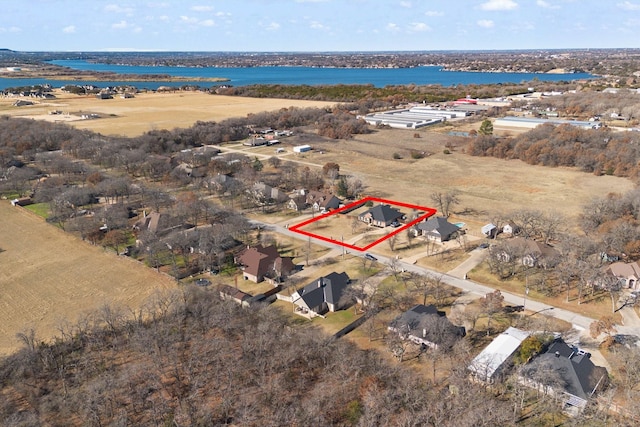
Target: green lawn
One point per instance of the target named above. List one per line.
(40, 209)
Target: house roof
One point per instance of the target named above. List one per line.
(151, 222)
(234, 292)
(491, 358)
(384, 213)
(580, 376)
(420, 320)
(531, 247)
(324, 200)
(487, 228)
(259, 260)
(438, 225)
(329, 289)
(622, 269)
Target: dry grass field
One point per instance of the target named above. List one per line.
(147, 111)
(49, 276)
(486, 185)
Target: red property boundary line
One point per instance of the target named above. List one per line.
(428, 212)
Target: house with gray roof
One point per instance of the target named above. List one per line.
(437, 229)
(381, 215)
(321, 295)
(567, 372)
(426, 326)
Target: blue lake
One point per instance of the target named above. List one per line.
(378, 77)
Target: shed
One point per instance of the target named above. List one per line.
(301, 148)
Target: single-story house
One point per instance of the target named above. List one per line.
(531, 253)
(565, 371)
(426, 326)
(260, 262)
(321, 295)
(437, 229)
(488, 365)
(381, 215)
(629, 273)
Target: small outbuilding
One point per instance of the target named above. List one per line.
(301, 148)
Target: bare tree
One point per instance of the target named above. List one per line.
(445, 201)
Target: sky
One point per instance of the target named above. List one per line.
(317, 25)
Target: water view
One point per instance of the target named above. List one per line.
(378, 77)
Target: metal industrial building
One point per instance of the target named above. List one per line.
(412, 118)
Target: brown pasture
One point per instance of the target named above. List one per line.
(486, 186)
(48, 277)
(147, 111)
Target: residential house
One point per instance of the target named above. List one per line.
(224, 184)
(261, 262)
(381, 215)
(492, 360)
(426, 326)
(437, 229)
(530, 252)
(265, 194)
(321, 295)
(153, 222)
(628, 273)
(320, 201)
(297, 202)
(565, 371)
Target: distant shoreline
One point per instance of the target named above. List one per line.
(101, 77)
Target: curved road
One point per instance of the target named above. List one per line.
(578, 321)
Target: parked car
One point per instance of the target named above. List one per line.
(370, 257)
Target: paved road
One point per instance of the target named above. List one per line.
(578, 321)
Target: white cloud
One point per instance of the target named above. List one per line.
(274, 26)
(546, 5)
(208, 23)
(10, 30)
(202, 8)
(485, 23)
(406, 4)
(69, 29)
(188, 20)
(318, 26)
(157, 5)
(114, 8)
(392, 27)
(627, 5)
(433, 13)
(499, 5)
(122, 25)
(419, 27)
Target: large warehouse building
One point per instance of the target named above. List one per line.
(412, 118)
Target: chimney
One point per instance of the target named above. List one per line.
(557, 354)
(424, 333)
